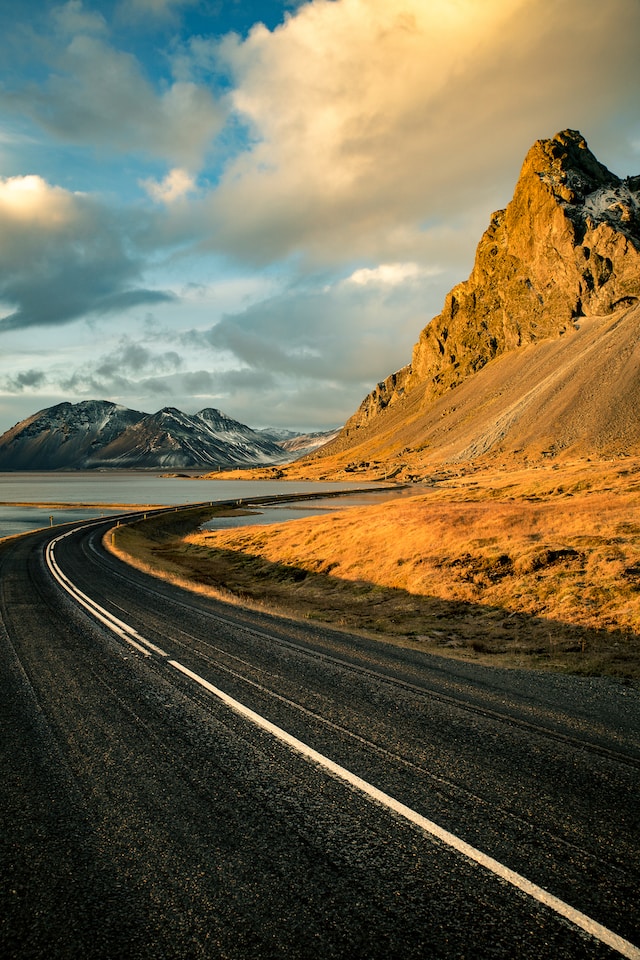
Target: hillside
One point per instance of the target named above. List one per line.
(566, 398)
(536, 354)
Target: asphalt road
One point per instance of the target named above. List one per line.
(144, 815)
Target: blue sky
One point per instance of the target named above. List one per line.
(257, 206)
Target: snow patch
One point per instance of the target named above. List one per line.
(617, 203)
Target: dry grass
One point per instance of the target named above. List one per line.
(530, 567)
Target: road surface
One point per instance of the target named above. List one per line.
(187, 779)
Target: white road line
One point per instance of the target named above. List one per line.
(114, 624)
(581, 920)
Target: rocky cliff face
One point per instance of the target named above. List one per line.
(567, 246)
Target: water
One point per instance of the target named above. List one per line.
(277, 513)
(29, 501)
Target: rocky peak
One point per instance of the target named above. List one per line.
(566, 246)
(213, 416)
(567, 165)
(586, 191)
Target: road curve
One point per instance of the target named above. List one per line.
(183, 778)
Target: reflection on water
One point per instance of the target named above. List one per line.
(90, 495)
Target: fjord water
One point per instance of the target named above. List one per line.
(29, 501)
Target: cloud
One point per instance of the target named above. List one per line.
(306, 335)
(101, 97)
(131, 368)
(370, 121)
(96, 95)
(190, 389)
(26, 380)
(354, 130)
(336, 332)
(163, 9)
(332, 341)
(389, 274)
(64, 255)
(302, 358)
(72, 18)
(134, 358)
(177, 184)
(284, 401)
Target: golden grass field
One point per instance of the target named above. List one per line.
(535, 566)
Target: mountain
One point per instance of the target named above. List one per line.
(298, 444)
(171, 438)
(279, 434)
(301, 444)
(100, 434)
(537, 352)
(64, 436)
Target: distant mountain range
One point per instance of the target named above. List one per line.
(537, 354)
(300, 444)
(98, 434)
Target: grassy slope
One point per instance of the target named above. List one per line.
(532, 567)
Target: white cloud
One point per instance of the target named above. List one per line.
(372, 121)
(345, 104)
(63, 255)
(30, 203)
(72, 18)
(99, 96)
(177, 184)
(332, 341)
(390, 274)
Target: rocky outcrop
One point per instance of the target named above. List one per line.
(567, 246)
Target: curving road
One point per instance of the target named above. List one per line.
(187, 779)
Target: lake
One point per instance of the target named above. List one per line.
(29, 501)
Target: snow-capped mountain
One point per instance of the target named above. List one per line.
(100, 434)
(298, 444)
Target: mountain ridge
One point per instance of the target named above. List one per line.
(99, 434)
(563, 253)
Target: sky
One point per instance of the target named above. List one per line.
(257, 205)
